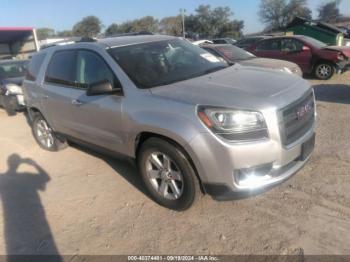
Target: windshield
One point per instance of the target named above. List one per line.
(314, 42)
(165, 62)
(12, 69)
(234, 53)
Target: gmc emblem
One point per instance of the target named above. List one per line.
(303, 111)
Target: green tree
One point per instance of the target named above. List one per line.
(217, 22)
(64, 33)
(171, 25)
(147, 23)
(113, 29)
(89, 26)
(329, 12)
(277, 14)
(44, 33)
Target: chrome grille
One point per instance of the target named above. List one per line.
(297, 119)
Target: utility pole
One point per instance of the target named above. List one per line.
(183, 11)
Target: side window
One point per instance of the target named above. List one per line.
(34, 67)
(61, 69)
(291, 45)
(269, 45)
(91, 69)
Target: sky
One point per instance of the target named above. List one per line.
(63, 14)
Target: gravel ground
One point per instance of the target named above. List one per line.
(79, 202)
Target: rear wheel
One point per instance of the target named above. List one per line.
(45, 136)
(324, 71)
(168, 174)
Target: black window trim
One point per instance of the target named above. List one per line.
(58, 82)
(75, 85)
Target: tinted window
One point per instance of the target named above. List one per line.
(269, 45)
(219, 41)
(34, 66)
(234, 53)
(291, 45)
(61, 69)
(91, 69)
(164, 62)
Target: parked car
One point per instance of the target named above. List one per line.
(11, 78)
(248, 42)
(224, 41)
(313, 56)
(191, 121)
(234, 54)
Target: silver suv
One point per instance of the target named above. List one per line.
(193, 123)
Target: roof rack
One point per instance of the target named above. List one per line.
(71, 40)
(130, 34)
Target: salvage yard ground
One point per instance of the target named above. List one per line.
(79, 202)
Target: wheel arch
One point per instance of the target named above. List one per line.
(144, 136)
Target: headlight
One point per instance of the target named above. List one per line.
(14, 89)
(234, 125)
(287, 70)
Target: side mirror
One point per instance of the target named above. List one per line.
(101, 88)
(306, 48)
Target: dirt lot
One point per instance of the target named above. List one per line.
(78, 202)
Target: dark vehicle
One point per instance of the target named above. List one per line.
(224, 41)
(313, 56)
(248, 42)
(234, 54)
(12, 73)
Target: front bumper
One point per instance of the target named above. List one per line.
(220, 164)
(343, 67)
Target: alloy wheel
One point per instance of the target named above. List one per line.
(44, 134)
(165, 176)
(324, 71)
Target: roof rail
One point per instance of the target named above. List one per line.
(70, 40)
(130, 34)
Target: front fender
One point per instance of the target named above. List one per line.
(176, 127)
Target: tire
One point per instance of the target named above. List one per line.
(324, 71)
(45, 136)
(175, 185)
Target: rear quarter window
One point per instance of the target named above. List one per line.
(34, 66)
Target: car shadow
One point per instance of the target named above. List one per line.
(26, 229)
(333, 93)
(124, 166)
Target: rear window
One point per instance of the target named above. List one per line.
(61, 69)
(34, 66)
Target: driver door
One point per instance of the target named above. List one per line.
(98, 118)
(293, 51)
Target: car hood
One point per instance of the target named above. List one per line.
(268, 63)
(344, 49)
(238, 86)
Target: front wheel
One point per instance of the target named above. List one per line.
(168, 174)
(324, 71)
(45, 136)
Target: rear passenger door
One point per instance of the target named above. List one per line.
(92, 119)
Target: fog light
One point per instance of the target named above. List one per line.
(253, 177)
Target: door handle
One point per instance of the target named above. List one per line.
(76, 102)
